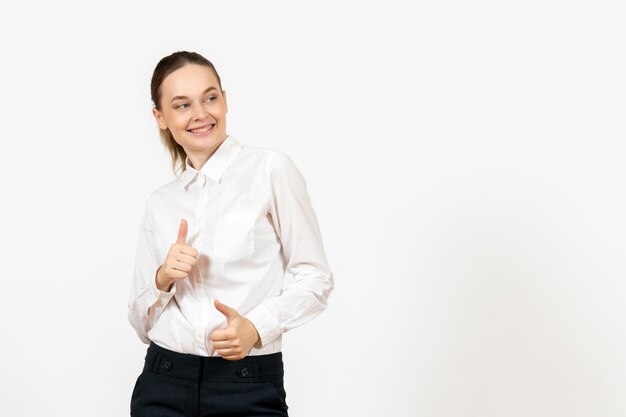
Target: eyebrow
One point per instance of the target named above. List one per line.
(204, 92)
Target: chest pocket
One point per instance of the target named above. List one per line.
(234, 235)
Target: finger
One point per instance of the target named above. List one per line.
(227, 351)
(227, 311)
(232, 358)
(224, 344)
(177, 274)
(187, 250)
(218, 336)
(175, 256)
(182, 257)
(182, 232)
(188, 259)
(182, 267)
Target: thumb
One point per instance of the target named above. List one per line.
(229, 312)
(182, 232)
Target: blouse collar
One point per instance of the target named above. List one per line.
(215, 166)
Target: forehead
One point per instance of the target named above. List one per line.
(189, 80)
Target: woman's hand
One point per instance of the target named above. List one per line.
(178, 262)
(237, 340)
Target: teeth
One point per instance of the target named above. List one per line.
(201, 130)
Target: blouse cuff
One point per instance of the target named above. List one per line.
(160, 297)
(266, 323)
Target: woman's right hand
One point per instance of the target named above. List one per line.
(179, 261)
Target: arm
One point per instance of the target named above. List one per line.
(146, 302)
(296, 224)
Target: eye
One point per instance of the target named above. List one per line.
(179, 106)
(211, 98)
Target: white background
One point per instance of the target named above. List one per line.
(465, 160)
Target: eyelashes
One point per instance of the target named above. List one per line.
(180, 106)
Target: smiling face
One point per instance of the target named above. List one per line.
(194, 109)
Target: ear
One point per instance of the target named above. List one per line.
(159, 118)
(225, 102)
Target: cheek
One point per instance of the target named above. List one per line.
(169, 120)
(179, 122)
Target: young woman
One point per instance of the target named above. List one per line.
(229, 257)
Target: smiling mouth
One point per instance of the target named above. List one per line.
(202, 130)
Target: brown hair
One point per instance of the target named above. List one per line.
(164, 68)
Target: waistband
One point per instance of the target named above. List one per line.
(256, 368)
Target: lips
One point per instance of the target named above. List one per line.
(202, 130)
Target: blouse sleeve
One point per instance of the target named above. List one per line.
(146, 302)
(309, 278)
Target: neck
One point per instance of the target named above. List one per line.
(197, 160)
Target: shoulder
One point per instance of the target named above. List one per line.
(281, 171)
(163, 193)
(277, 170)
(153, 200)
(270, 160)
(279, 162)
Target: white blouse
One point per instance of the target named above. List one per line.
(260, 251)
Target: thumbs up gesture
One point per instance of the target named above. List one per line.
(179, 261)
(235, 341)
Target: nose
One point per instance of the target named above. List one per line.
(200, 113)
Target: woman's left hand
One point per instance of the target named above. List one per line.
(235, 341)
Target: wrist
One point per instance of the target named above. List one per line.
(163, 286)
(257, 343)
